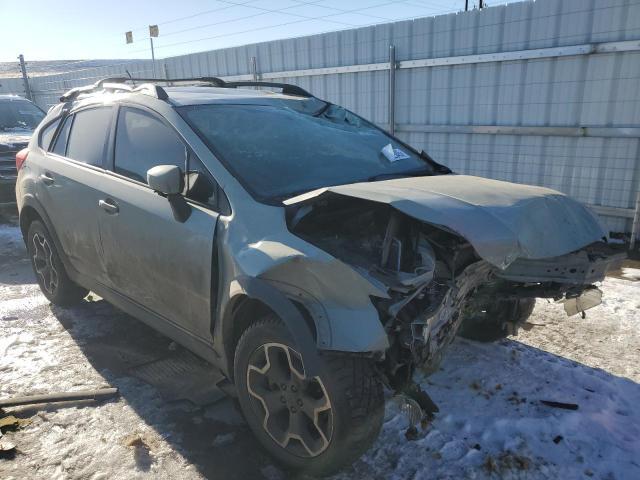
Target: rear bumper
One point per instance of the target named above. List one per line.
(584, 267)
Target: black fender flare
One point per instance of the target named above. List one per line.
(258, 289)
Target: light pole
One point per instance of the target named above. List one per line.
(153, 33)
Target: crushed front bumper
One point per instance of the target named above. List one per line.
(584, 267)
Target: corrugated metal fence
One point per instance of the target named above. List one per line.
(542, 92)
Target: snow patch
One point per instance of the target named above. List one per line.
(631, 273)
(491, 422)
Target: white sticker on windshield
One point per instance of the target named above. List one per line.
(394, 154)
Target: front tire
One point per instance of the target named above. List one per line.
(50, 272)
(316, 425)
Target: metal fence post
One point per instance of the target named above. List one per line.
(635, 226)
(254, 68)
(392, 89)
(25, 79)
(166, 72)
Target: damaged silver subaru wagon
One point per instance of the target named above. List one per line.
(310, 256)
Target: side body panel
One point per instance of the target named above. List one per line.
(70, 191)
(157, 261)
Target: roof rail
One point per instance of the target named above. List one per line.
(149, 86)
(149, 89)
(287, 88)
(218, 82)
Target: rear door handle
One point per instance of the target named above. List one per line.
(109, 206)
(46, 178)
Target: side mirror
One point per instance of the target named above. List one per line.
(165, 179)
(168, 180)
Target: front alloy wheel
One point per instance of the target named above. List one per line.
(315, 424)
(296, 411)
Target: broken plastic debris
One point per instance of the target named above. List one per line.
(589, 299)
(394, 154)
(412, 411)
(410, 408)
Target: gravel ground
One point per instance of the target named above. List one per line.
(491, 422)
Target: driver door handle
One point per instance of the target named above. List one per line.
(109, 206)
(46, 178)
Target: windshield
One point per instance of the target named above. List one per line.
(19, 115)
(281, 150)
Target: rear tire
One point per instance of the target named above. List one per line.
(314, 425)
(492, 322)
(50, 272)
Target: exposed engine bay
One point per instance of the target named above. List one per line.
(433, 276)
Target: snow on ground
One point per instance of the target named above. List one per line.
(491, 422)
(631, 273)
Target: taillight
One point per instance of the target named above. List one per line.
(21, 156)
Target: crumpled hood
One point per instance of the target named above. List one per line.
(503, 221)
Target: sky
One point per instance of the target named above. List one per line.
(87, 29)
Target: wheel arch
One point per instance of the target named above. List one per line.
(27, 216)
(32, 210)
(257, 298)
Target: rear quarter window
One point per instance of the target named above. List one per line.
(60, 146)
(47, 134)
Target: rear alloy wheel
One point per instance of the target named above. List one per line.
(314, 424)
(50, 272)
(43, 263)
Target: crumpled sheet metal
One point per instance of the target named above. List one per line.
(503, 221)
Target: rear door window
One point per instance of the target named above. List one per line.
(88, 139)
(144, 141)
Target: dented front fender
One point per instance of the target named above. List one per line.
(336, 295)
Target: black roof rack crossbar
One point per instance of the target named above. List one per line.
(287, 88)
